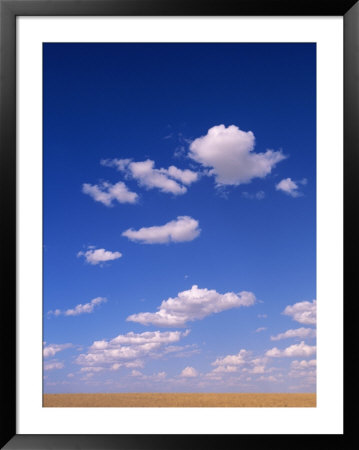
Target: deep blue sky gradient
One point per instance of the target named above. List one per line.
(146, 101)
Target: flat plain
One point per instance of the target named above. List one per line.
(176, 400)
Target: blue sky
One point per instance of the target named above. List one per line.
(179, 217)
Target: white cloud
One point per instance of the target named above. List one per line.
(232, 360)
(290, 187)
(300, 333)
(52, 349)
(303, 364)
(308, 376)
(242, 362)
(303, 312)
(80, 309)
(305, 370)
(225, 369)
(150, 178)
(186, 176)
(296, 350)
(258, 330)
(137, 363)
(182, 229)
(128, 349)
(99, 255)
(106, 193)
(228, 152)
(171, 180)
(53, 365)
(189, 372)
(257, 369)
(269, 378)
(138, 339)
(259, 361)
(86, 308)
(159, 376)
(191, 305)
(91, 369)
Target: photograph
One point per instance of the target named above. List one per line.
(179, 224)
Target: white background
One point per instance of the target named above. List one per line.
(328, 415)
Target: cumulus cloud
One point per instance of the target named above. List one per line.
(99, 255)
(290, 187)
(52, 349)
(304, 364)
(53, 365)
(296, 350)
(191, 305)
(228, 152)
(242, 362)
(171, 180)
(189, 372)
(305, 370)
(225, 369)
(183, 229)
(232, 360)
(303, 312)
(257, 369)
(106, 193)
(128, 349)
(300, 333)
(87, 308)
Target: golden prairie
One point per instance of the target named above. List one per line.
(176, 400)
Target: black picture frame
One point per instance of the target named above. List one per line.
(9, 10)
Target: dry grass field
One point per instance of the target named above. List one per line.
(179, 400)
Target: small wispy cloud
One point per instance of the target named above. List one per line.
(299, 333)
(290, 187)
(99, 255)
(183, 229)
(86, 308)
(260, 329)
(242, 362)
(51, 349)
(189, 372)
(51, 365)
(172, 180)
(296, 350)
(106, 193)
(260, 195)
